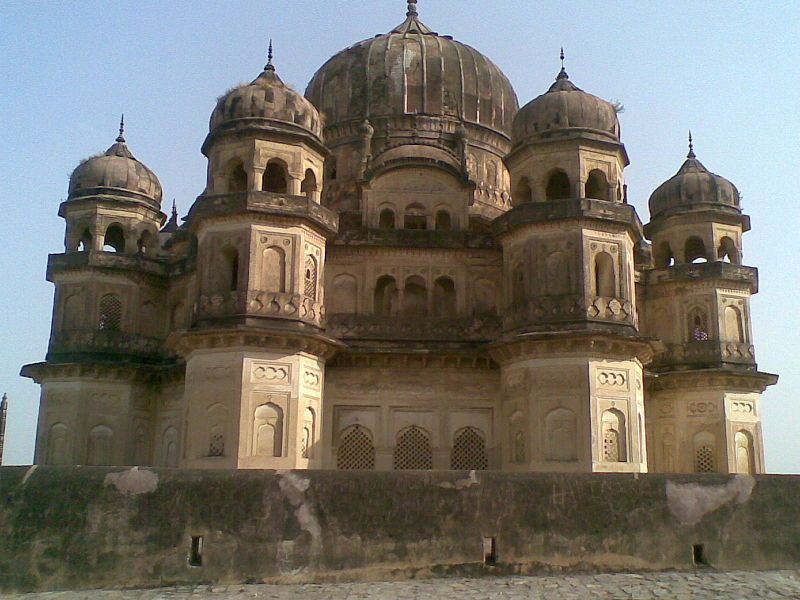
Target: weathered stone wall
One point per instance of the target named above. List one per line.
(70, 528)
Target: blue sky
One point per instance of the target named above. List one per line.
(727, 70)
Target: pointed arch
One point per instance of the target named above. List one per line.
(273, 269)
(444, 297)
(523, 192)
(356, 449)
(415, 296)
(114, 240)
(469, 450)
(663, 256)
(413, 449)
(745, 456)
(385, 300)
(605, 280)
(99, 446)
(309, 185)
(597, 185)
(169, 448)
(236, 176)
(268, 430)
(559, 186)
(310, 277)
(307, 439)
(229, 272)
(698, 324)
(110, 313)
(561, 435)
(728, 251)
(386, 219)
(695, 250)
(415, 217)
(614, 436)
(734, 331)
(705, 447)
(275, 178)
(57, 445)
(443, 221)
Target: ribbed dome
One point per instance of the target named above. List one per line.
(266, 100)
(692, 186)
(413, 71)
(565, 106)
(116, 172)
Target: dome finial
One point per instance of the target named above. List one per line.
(691, 147)
(563, 73)
(412, 8)
(121, 136)
(269, 66)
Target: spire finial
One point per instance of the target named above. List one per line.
(269, 66)
(174, 209)
(691, 147)
(412, 8)
(563, 73)
(562, 57)
(121, 136)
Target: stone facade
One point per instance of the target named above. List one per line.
(403, 270)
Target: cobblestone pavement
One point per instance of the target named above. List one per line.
(678, 586)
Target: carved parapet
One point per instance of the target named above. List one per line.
(412, 327)
(106, 261)
(706, 352)
(276, 305)
(718, 270)
(547, 310)
(70, 345)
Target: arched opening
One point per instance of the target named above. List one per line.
(698, 325)
(695, 250)
(216, 417)
(99, 446)
(558, 186)
(237, 176)
(114, 240)
(275, 179)
(413, 450)
(605, 284)
(415, 296)
(57, 445)
(145, 243)
(415, 217)
(704, 452)
(614, 436)
(597, 185)
(745, 458)
(110, 313)
(385, 296)
(307, 439)
(469, 450)
(310, 278)
(309, 185)
(561, 435)
(523, 192)
(169, 448)
(268, 430)
(230, 268)
(518, 285)
(734, 331)
(728, 251)
(72, 312)
(356, 451)
(273, 270)
(386, 219)
(444, 297)
(443, 221)
(343, 298)
(85, 241)
(664, 256)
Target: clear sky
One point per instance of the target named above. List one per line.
(728, 70)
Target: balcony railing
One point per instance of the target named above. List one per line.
(276, 305)
(570, 308)
(413, 327)
(706, 352)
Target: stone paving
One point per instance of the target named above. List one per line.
(679, 586)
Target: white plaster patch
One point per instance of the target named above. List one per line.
(690, 502)
(28, 474)
(293, 486)
(461, 484)
(133, 482)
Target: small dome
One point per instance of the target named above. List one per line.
(565, 107)
(116, 172)
(692, 186)
(267, 99)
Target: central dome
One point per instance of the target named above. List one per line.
(413, 71)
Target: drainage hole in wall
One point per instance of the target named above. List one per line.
(698, 555)
(196, 551)
(490, 551)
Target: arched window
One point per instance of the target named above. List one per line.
(614, 436)
(698, 325)
(309, 185)
(469, 450)
(444, 297)
(734, 331)
(415, 217)
(386, 219)
(413, 450)
(145, 243)
(518, 285)
(216, 417)
(307, 440)
(85, 243)
(728, 251)
(597, 185)
(385, 296)
(273, 273)
(237, 177)
(169, 448)
(415, 296)
(443, 222)
(275, 178)
(110, 317)
(695, 250)
(57, 445)
(114, 240)
(561, 435)
(605, 284)
(745, 459)
(230, 268)
(268, 430)
(558, 186)
(99, 446)
(704, 451)
(343, 298)
(72, 312)
(523, 192)
(310, 278)
(356, 451)
(664, 256)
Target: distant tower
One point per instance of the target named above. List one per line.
(3, 417)
(571, 356)
(703, 407)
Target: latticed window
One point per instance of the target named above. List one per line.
(356, 451)
(305, 442)
(310, 288)
(611, 445)
(704, 460)
(216, 443)
(699, 327)
(469, 451)
(110, 313)
(413, 450)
